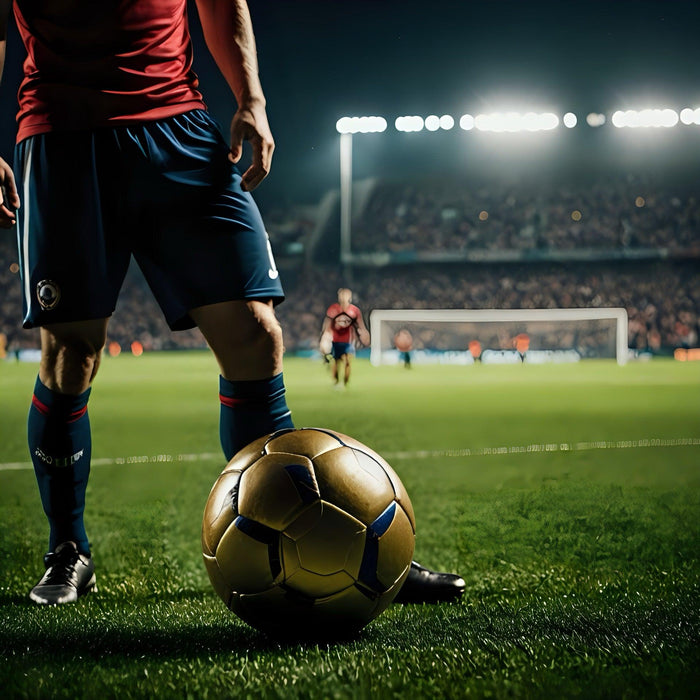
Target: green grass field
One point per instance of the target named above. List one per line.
(567, 496)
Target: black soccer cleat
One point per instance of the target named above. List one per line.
(425, 586)
(69, 575)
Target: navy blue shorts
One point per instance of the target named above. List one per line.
(340, 349)
(164, 192)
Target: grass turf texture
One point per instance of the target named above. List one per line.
(580, 550)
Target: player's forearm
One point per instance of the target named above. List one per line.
(228, 32)
(3, 44)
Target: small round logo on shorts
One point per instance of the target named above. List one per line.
(48, 293)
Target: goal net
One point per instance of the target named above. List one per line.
(461, 336)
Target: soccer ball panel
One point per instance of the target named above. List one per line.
(282, 613)
(309, 442)
(220, 509)
(247, 455)
(307, 520)
(351, 605)
(276, 488)
(314, 585)
(399, 489)
(353, 481)
(217, 580)
(318, 549)
(244, 561)
(265, 610)
(387, 598)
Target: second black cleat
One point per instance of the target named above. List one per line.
(425, 586)
(68, 575)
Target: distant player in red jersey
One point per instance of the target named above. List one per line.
(521, 342)
(117, 156)
(343, 326)
(475, 349)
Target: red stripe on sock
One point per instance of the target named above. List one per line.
(230, 401)
(44, 410)
(41, 407)
(77, 415)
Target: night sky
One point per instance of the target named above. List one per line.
(320, 60)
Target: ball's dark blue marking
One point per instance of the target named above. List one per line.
(265, 535)
(258, 531)
(274, 558)
(368, 567)
(304, 482)
(381, 524)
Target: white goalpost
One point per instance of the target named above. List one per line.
(552, 334)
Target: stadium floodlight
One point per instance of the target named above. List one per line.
(570, 120)
(515, 121)
(432, 123)
(360, 125)
(466, 122)
(346, 127)
(690, 116)
(645, 118)
(595, 119)
(409, 123)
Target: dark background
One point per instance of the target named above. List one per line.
(320, 60)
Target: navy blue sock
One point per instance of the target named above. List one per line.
(58, 430)
(251, 409)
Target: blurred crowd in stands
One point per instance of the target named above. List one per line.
(662, 296)
(544, 214)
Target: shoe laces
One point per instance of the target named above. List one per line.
(61, 565)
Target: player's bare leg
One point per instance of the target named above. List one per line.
(340, 370)
(60, 445)
(246, 340)
(334, 371)
(244, 336)
(71, 354)
(348, 363)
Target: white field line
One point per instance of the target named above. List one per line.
(645, 443)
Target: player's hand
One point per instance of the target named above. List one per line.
(9, 199)
(326, 343)
(249, 123)
(363, 335)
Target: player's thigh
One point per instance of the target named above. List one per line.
(236, 323)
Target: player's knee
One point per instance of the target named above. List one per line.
(264, 331)
(254, 344)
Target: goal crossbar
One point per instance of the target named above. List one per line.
(618, 314)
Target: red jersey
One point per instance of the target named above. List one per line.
(94, 63)
(343, 321)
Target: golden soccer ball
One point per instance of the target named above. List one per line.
(308, 533)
